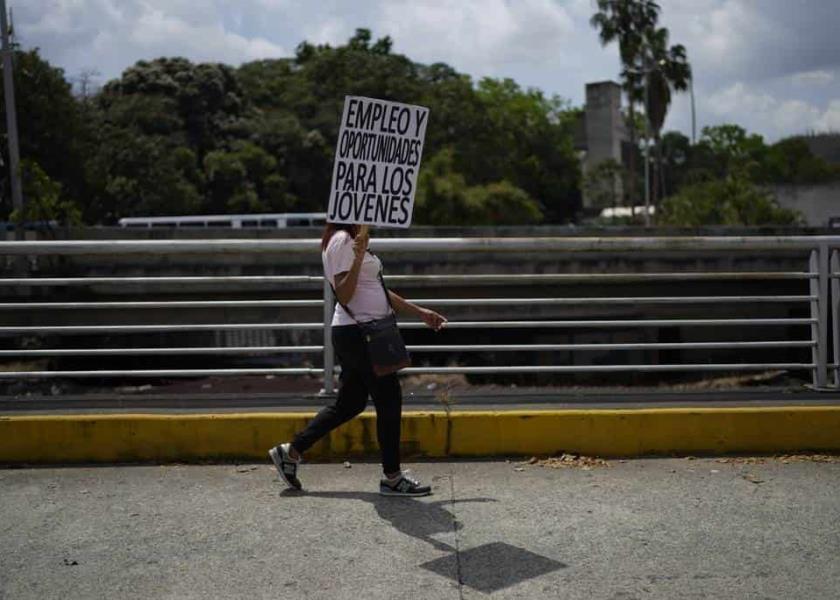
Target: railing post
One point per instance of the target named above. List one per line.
(818, 264)
(834, 268)
(329, 354)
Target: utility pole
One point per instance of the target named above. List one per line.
(693, 113)
(647, 140)
(11, 110)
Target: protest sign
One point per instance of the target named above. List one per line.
(377, 161)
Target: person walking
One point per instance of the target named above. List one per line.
(354, 274)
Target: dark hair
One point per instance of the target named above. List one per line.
(331, 228)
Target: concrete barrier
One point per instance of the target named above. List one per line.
(634, 432)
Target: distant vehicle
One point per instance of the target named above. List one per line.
(618, 212)
(260, 221)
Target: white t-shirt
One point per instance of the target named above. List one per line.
(368, 301)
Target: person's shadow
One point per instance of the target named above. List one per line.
(486, 568)
(411, 516)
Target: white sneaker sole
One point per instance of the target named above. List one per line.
(404, 494)
(278, 464)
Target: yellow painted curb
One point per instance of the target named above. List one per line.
(632, 432)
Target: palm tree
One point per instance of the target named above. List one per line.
(667, 70)
(627, 22)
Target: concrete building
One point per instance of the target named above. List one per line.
(818, 203)
(602, 138)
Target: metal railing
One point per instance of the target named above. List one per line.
(820, 301)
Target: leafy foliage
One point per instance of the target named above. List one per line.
(738, 167)
(603, 184)
(791, 161)
(174, 137)
(445, 198)
(650, 69)
(53, 136)
(44, 203)
(729, 149)
(733, 200)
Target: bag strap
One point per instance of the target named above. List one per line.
(384, 288)
(344, 306)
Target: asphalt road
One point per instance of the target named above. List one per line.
(650, 528)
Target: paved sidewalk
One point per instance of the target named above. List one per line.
(654, 528)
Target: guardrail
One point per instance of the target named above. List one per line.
(820, 270)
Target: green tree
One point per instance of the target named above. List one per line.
(174, 137)
(676, 155)
(445, 198)
(733, 200)
(245, 179)
(627, 22)
(603, 185)
(651, 69)
(733, 150)
(142, 163)
(52, 133)
(791, 161)
(526, 140)
(667, 70)
(44, 202)
(496, 130)
(206, 97)
(502, 203)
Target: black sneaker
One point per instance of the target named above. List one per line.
(285, 465)
(406, 485)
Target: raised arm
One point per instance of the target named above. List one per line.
(346, 281)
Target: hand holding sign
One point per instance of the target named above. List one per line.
(361, 241)
(377, 161)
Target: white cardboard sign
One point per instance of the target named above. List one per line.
(377, 161)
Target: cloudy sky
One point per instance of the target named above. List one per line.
(772, 66)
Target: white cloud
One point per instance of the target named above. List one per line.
(775, 118)
(795, 116)
(734, 39)
(113, 34)
(818, 77)
(478, 34)
(771, 65)
(739, 97)
(332, 30)
(830, 119)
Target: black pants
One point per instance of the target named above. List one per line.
(357, 382)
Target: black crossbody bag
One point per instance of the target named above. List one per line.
(386, 347)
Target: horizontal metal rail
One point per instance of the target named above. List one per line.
(446, 278)
(414, 245)
(157, 373)
(162, 304)
(81, 281)
(82, 329)
(605, 323)
(170, 351)
(425, 301)
(607, 346)
(607, 368)
(413, 370)
(813, 249)
(603, 277)
(516, 302)
(161, 351)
